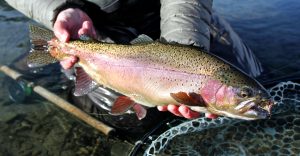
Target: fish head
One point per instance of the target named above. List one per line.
(248, 101)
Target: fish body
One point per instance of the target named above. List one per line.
(157, 74)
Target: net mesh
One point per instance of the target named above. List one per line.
(227, 136)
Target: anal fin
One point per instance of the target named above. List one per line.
(124, 103)
(140, 111)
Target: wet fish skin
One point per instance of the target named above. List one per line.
(153, 74)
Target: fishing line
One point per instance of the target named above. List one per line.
(279, 69)
(100, 114)
(280, 79)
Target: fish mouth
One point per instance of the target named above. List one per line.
(252, 109)
(257, 113)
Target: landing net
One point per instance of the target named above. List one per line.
(183, 139)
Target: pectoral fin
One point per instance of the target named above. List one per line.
(189, 99)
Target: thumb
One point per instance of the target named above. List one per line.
(87, 29)
(61, 32)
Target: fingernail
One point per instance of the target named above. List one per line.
(159, 108)
(87, 24)
(211, 116)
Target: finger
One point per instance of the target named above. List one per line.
(211, 116)
(69, 62)
(87, 29)
(174, 109)
(162, 108)
(89, 25)
(187, 113)
(61, 32)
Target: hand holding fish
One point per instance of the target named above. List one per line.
(184, 111)
(70, 24)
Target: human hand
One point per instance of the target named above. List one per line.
(184, 111)
(71, 24)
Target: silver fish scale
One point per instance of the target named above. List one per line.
(279, 135)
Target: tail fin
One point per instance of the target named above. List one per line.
(39, 54)
(39, 33)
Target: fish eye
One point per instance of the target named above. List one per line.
(246, 92)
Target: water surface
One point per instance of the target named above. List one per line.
(270, 28)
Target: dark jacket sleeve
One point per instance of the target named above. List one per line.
(186, 22)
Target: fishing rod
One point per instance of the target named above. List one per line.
(58, 101)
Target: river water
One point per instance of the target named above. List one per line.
(269, 27)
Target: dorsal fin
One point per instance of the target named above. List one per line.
(141, 39)
(86, 38)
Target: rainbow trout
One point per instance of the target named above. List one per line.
(153, 74)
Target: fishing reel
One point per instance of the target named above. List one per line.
(19, 89)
